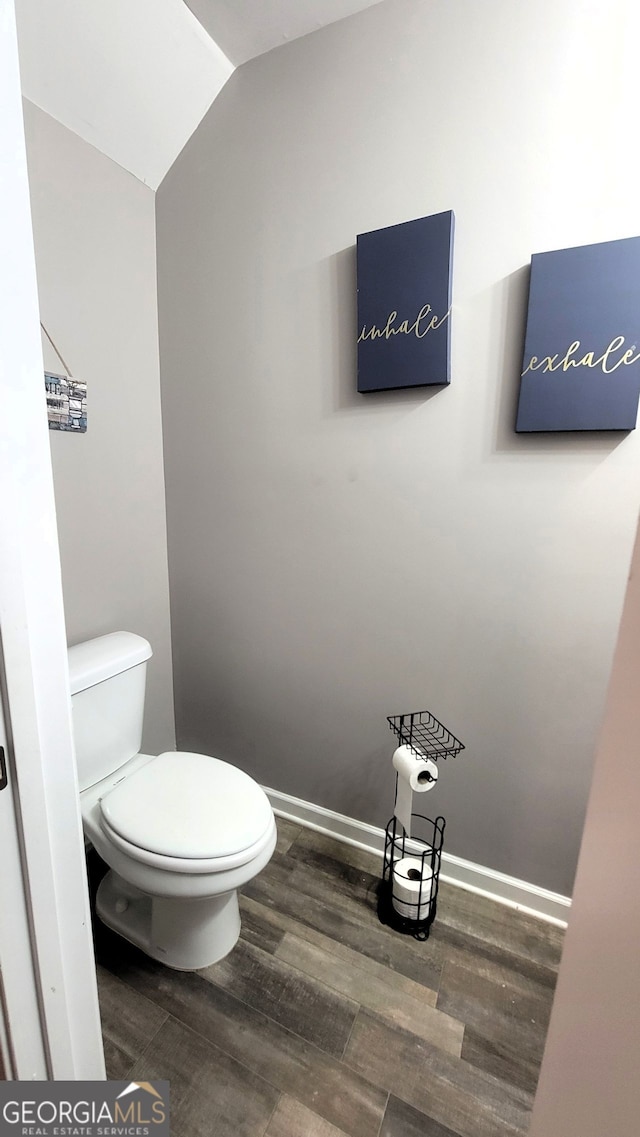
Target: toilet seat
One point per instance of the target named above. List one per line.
(230, 820)
(190, 866)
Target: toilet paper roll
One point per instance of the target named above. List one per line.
(415, 774)
(412, 888)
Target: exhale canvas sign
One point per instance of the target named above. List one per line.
(581, 365)
(404, 304)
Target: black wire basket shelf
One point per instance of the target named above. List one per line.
(425, 734)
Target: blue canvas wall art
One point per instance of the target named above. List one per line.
(404, 304)
(581, 365)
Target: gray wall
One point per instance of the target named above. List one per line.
(337, 558)
(94, 233)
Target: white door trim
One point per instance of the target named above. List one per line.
(24, 1049)
(36, 700)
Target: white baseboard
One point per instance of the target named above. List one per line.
(529, 898)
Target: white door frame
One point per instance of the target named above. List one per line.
(44, 888)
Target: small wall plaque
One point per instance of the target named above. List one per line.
(66, 403)
(404, 304)
(581, 365)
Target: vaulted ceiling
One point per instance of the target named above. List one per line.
(135, 77)
(246, 28)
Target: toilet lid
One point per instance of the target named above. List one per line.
(190, 806)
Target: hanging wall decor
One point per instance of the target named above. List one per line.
(581, 365)
(66, 397)
(404, 304)
(66, 402)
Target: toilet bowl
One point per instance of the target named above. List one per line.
(181, 832)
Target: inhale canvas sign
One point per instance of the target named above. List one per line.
(404, 304)
(581, 365)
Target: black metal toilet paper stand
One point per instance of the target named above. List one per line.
(408, 892)
(407, 900)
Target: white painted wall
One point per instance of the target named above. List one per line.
(336, 558)
(94, 233)
(132, 77)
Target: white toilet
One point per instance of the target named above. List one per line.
(180, 832)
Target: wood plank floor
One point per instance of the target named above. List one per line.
(324, 1023)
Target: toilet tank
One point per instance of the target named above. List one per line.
(107, 677)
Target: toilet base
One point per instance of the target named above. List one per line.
(183, 934)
